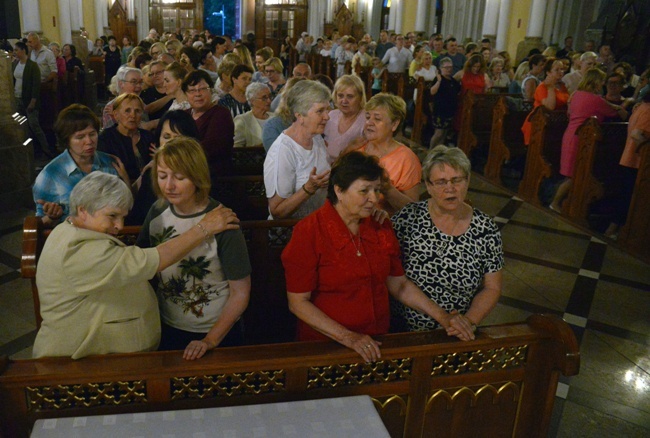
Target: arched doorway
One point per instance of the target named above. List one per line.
(276, 19)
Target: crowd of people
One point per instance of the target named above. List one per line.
(183, 103)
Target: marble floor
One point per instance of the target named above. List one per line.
(551, 267)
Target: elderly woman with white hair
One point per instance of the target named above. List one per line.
(296, 169)
(249, 126)
(127, 80)
(451, 251)
(94, 291)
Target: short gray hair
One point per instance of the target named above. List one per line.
(446, 60)
(441, 155)
(302, 96)
(100, 190)
(253, 89)
(122, 73)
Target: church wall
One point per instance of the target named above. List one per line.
(50, 9)
(89, 19)
(409, 16)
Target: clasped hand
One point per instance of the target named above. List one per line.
(458, 325)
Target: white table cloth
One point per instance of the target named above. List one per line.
(341, 417)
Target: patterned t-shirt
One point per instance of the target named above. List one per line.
(192, 292)
(448, 269)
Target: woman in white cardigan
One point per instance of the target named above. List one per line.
(249, 126)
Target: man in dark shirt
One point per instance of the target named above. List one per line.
(383, 45)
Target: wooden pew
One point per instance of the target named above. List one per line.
(96, 63)
(245, 195)
(543, 156)
(364, 75)
(395, 83)
(635, 234)
(423, 108)
(425, 385)
(596, 169)
(506, 138)
(476, 120)
(249, 160)
(267, 317)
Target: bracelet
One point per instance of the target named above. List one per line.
(307, 191)
(202, 228)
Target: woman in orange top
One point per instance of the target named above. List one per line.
(384, 114)
(551, 93)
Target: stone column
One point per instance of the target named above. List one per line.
(557, 23)
(399, 15)
(536, 19)
(503, 25)
(16, 154)
(549, 22)
(31, 18)
(392, 16)
(329, 11)
(99, 19)
(422, 13)
(142, 16)
(491, 19)
(65, 27)
(533, 39)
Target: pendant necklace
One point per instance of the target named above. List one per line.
(358, 248)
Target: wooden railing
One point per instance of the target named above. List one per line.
(425, 385)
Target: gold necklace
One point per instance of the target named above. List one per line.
(358, 248)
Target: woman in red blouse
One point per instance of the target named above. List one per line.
(474, 76)
(341, 265)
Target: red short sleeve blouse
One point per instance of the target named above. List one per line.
(321, 258)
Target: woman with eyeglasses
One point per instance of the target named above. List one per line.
(128, 80)
(273, 71)
(249, 126)
(451, 251)
(214, 122)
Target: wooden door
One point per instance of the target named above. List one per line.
(275, 21)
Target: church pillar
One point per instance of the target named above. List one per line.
(491, 19)
(536, 19)
(65, 27)
(422, 14)
(31, 17)
(399, 14)
(142, 15)
(503, 25)
(558, 34)
(549, 23)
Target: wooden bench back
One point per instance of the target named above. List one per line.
(426, 384)
(543, 156)
(506, 138)
(596, 170)
(267, 318)
(245, 195)
(476, 117)
(249, 160)
(635, 235)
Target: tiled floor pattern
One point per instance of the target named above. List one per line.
(551, 267)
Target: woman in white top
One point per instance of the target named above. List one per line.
(249, 126)
(296, 169)
(427, 70)
(348, 119)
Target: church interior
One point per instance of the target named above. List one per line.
(553, 264)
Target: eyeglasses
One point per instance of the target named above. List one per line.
(197, 90)
(265, 97)
(155, 53)
(157, 73)
(442, 183)
(269, 72)
(134, 82)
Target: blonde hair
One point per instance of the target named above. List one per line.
(245, 55)
(125, 98)
(185, 156)
(593, 81)
(350, 81)
(275, 63)
(395, 106)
